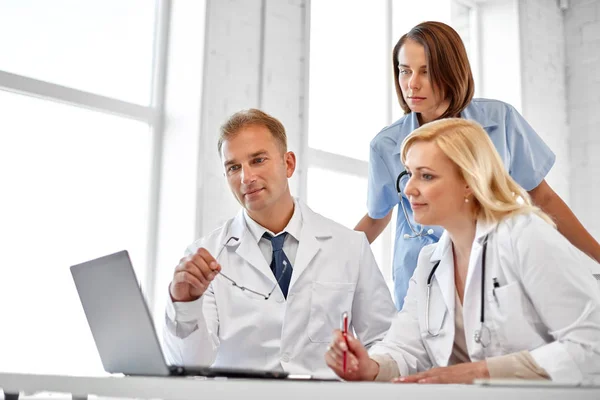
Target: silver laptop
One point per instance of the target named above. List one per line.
(123, 329)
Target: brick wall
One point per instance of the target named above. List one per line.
(254, 57)
(543, 90)
(582, 35)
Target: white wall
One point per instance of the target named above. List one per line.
(543, 90)
(560, 52)
(582, 35)
(254, 58)
(522, 50)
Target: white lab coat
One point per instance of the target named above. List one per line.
(548, 303)
(334, 271)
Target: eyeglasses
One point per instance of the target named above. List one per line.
(244, 288)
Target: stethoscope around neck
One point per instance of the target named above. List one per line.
(482, 335)
(415, 233)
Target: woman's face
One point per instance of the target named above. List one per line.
(436, 189)
(417, 89)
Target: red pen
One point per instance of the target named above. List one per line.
(344, 329)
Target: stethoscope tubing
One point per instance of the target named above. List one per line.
(482, 312)
(422, 232)
(415, 233)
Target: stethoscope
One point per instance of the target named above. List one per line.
(415, 234)
(482, 335)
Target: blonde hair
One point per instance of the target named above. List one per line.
(496, 194)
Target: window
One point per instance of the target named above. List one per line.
(464, 18)
(349, 89)
(352, 97)
(103, 47)
(348, 76)
(77, 149)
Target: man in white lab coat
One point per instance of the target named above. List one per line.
(299, 270)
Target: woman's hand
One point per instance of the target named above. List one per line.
(359, 366)
(459, 373)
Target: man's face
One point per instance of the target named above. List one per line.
(256, 169)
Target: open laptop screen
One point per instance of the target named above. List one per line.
(122, 326)
(118, 316)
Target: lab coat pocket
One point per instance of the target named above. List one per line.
(516, 318)
(328, 301)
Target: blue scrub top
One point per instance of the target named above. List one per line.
(525, 155)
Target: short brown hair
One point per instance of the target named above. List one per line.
(253, 116)
(447, 64)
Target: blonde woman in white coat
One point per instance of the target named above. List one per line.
(541, 306)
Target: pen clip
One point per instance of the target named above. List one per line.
(495, 286)
(344, 323)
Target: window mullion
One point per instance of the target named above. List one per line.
(338, 163)
(50, 91)
(163, 12)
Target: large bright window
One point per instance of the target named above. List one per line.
(104, 47)
(77, 150)
(352, 96)
(348, 82)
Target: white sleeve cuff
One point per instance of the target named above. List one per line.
(557, 362)
(183, 318)
(185, 311)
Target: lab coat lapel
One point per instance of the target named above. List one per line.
(441, 309)
(472, 296)
(248, 249)
(314, 229)
(444, 275)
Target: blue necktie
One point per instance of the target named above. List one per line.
(283, 277)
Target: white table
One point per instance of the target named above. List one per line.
(200, 388)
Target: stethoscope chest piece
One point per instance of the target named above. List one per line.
(483, 336)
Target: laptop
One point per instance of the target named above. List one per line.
(123, 330)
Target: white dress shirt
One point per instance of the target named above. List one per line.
(290, 245)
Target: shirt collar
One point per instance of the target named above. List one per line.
(477, 113)
(482, 229)
(411, 122)
(472, 112)
(293, 228)
(443, 245)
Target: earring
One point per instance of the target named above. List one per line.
(466, 199)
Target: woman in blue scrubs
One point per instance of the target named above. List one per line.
(433, 80)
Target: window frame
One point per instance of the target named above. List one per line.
(152, 114)
(359, 168)
(344, 164)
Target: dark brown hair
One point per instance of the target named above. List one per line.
(447, 65)
(253, 116)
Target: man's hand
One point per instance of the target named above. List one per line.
(193, 275)
(359, 366)
(459, 373)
